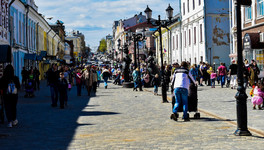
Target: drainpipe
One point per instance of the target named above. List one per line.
(179, 37)
(37, 38)
(230, 26)
(27, 7)
(205, 33)
(9, 24)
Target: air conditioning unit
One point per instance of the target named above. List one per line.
(261, 37)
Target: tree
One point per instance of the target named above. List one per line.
(102, 46)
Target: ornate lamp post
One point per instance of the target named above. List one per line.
(241, 96)
(161, 24)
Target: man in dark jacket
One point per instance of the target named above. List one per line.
(53, 79)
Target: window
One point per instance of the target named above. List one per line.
(193, 4)
(189, 36)
(183, 8)
(248, 13)
(260, 8)
(194, 35)
(188, 4)
(201, 32)
(199, 2)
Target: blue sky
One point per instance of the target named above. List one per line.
(94, 18)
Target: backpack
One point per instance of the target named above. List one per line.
(11, 88)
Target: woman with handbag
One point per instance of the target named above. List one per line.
(10, 86)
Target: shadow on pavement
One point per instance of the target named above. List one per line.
(44, 127)
(210, 119)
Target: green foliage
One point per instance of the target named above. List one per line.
(102, 46)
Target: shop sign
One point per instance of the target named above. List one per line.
(247, 42)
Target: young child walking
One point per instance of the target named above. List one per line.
(258, 95)
(156, 83)
(213, 77)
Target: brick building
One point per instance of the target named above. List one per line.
(253, 33)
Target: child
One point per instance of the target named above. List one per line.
(63, 87)
(156, 83)
(213, 76)
(257, 99)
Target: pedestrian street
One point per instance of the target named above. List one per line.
(119, 118)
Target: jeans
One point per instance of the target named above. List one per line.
(54, 94)
(181, 96)
(79, 89)
(155, 89)
(222, 78)
(213, 82)
(10, 104)
(233, 80)
(105, 81)
(136, 84)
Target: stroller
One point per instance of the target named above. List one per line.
(29, 88)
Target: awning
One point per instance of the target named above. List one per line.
(252, 41)
(42, 54)
(30, 56)
(5, 53)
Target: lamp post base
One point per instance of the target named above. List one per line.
(128, 85)
(239, 132)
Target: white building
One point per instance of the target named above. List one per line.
(205, 31)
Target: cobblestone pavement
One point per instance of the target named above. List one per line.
(118, 118)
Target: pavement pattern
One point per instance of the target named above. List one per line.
(119, 118)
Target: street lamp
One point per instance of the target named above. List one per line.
(135, 37)
(161, 24)
(241, 96)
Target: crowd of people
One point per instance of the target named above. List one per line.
(61, 79)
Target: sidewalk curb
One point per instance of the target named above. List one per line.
(234, 123)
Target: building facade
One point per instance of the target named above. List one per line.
(205, 31)
(253, 33)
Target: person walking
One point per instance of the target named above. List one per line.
(181, 81)
(95, 79)
(156, 83)
(213, 77)
(78, 79)
(98, 70)
(63, 87)
(88, 79)
(24, 74)
(246, 74)
(36, 78)
(53, 78)
(105, 75)
(10, 86)
(222, 73)
(136, 78)
(233, 74)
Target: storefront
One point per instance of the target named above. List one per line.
(253, 49)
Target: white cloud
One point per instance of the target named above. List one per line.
(94, 18)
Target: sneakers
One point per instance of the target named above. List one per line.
(14, 123)
(9, 125)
